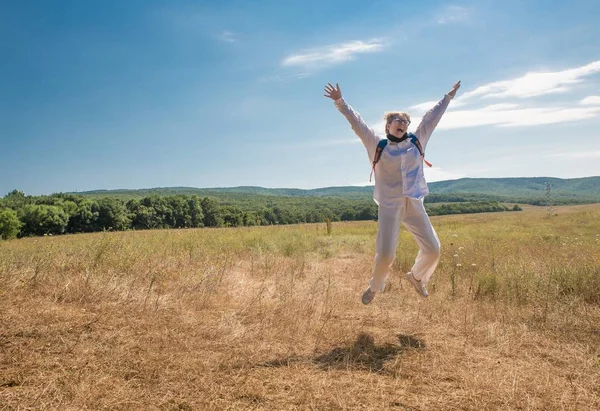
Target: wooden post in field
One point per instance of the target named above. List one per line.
(328, 224)
(549, 199)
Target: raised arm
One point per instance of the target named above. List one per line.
(362, 130)
(433, 116)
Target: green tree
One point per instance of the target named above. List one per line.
(348, 215)
(232, 216)
(9, 224)
(268, 216)
(113, 215)
(85, 217)
(142, 217)
(163, 213)
(250, 218)
(180, 212)
(283, 215)
(43, 219)
(212, 212)
(367, 213)
(195, 210)
(16, 200)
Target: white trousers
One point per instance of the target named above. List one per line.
(411, 213)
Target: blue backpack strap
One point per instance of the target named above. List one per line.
(380, 146)
(414, 139)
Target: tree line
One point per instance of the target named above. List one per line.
(470, 207)
(62, 213)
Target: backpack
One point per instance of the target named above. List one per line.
(382, 143)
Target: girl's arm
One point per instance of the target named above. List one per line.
(433, 116)
(362, 130)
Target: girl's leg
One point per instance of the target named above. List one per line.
(387, 241)
(416, 220)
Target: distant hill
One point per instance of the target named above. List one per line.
(525, 186)
(350, 192)
(522, 189)
(293, 192)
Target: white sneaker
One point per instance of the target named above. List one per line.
(368, 296)
(417, 284)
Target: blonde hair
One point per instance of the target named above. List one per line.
(389, 115)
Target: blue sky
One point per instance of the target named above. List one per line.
(140, 94)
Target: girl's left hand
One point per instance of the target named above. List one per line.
(455, 87)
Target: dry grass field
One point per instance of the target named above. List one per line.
(269, 318)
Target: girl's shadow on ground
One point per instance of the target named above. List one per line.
(364, 354)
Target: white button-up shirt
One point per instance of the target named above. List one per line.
(399, 172)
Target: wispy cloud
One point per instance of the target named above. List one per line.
(519, 108)
(457, 102)
(577, 155)
(228, 36)
(320, 57)
(516, 116)
(363, 184)
(284, 77)
(535, 84)
(341, 141)
(423, 107)
(437, 174)
(590, 101)
(507, 116)
(453, 14)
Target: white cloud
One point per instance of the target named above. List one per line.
(437, 174)
(515, 117)
(342, 141)
(332, 54)
(364, 184)
(284, 77)
(500, 107)
(511, 113)
(423, 107)
(577, 155)
(505, 115)
(453, 14)
(228, 36)
(379, 128)
(535, 84)
(590, 101)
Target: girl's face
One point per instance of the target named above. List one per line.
(397, 126)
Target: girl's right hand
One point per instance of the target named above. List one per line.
(333, 93)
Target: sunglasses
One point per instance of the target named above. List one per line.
(400, 120)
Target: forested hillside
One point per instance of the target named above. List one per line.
(186, 207)
(22, 215)
(512, 190)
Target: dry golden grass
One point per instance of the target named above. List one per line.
(269, 318)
